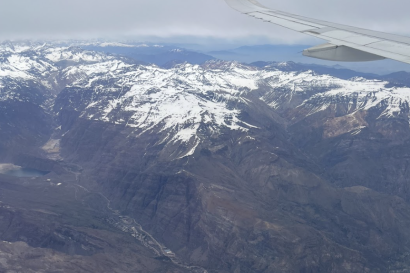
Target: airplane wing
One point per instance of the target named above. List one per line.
(345, 43)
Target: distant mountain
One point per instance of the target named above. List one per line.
(397, 79)
(151, 54)
(337, 71)
(285, 53)
(277, 53)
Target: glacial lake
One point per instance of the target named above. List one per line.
(17, 171)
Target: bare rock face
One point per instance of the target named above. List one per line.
(229, 167)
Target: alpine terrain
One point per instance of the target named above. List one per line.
(209, 166)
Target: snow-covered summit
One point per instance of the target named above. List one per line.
(181, 100)
(186, 98)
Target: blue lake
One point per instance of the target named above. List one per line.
(25, 172)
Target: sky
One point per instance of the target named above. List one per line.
(205, 24)
(195, 20)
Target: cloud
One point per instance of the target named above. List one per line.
(58, 19)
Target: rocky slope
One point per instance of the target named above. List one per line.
(235, 168)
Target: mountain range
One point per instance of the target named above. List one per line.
(208, 166)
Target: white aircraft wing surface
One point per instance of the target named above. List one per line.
(345, 43)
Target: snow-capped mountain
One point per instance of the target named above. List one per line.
(234, 167)
(186, 98)
(41, 63)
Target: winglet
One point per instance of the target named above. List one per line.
(342, 53)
